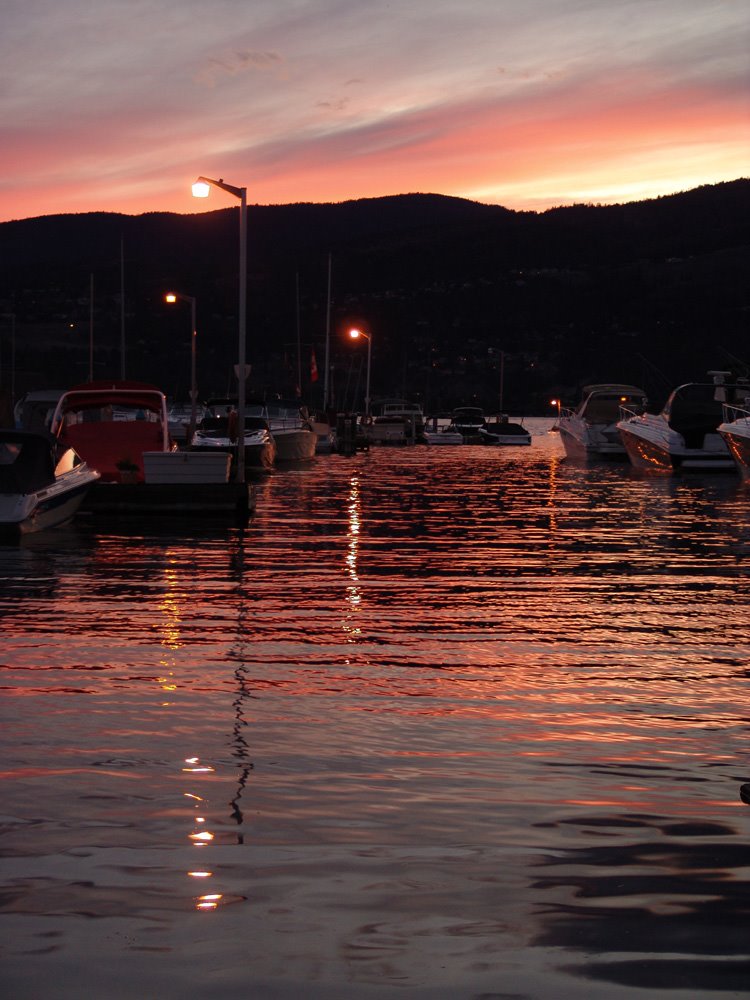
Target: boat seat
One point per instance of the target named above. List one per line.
(102, 446)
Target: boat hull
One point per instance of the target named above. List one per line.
(652, 446)
(737, 438)
(297, 445)
(52, 507)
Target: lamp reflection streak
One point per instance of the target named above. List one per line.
(353, 590)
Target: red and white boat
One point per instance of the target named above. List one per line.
(112, 425)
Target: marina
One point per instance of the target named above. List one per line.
(437, 723)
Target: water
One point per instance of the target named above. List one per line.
(449, 723)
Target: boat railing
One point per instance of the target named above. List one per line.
(628, 412)
(732, 413)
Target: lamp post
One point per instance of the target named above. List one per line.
(172, 297)
(201, 189)
(355, 335)
(12, 318)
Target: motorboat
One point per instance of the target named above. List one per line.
(397, 422)
(217, 432)
(42, 484)
(111, 424)
(589, 431)
(685, 434)
(735, 430)
(468, 422)
(502, 431)
(290, 426)
(445, 435)
(180, 419)
(34, 410)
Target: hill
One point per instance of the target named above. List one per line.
(653, 292)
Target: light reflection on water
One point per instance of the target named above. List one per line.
(463, 720)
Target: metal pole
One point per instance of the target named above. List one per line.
(122, 308)
(367, 392)
(91, 328)
(328, 340)
(242, 375)
(13, 359)
(193, 384)
(299, 342)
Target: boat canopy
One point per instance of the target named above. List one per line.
(136, 395)
(27, 461)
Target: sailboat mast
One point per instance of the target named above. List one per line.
(328, 340)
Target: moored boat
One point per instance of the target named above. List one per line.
(589, 432)
(684, 435)
(502, 431)
(217, 432)
(735, 430)
(42, 485)
(111, 425)
(468, 422)
(396, 422)
(290, 427)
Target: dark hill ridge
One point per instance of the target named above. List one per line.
(654, 291)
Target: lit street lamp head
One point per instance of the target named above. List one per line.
(201, 189)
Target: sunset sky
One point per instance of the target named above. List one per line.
(117, 105)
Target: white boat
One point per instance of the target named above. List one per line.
(468, 422)
(290, 426)
(589, 432)
(443, 436)
(685, 434)
(735, 430)
(503, 431)
(42, 484)
(397, 422)
(215, 433)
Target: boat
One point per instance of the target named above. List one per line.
(180, 420)
(396, 422)
(121, 429)
(589, 432)
(502, 431)
(42, 484)
(684, 435)
(290, 427)
(214, 434)
(735, 430)
(468, 422)
(34, 410)
(111, 425)
(442, 434)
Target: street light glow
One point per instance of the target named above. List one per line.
(170, 297)
(201, 189)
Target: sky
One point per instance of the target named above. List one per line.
(118, 105)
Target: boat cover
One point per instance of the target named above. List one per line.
(27, 461)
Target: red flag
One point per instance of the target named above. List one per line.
(313, 367)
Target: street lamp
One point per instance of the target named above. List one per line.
(201, 189)
(172, 297)
(355, 335)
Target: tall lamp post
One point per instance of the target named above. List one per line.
(201, 189)
(355, 335)
(172, 297)
(12, 318)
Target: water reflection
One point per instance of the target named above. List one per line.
(465, 707)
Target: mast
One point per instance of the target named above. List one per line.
(328, 340)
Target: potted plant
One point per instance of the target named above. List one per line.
(128, 470)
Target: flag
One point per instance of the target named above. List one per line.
(313, 367)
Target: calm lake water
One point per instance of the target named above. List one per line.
(451, 723)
